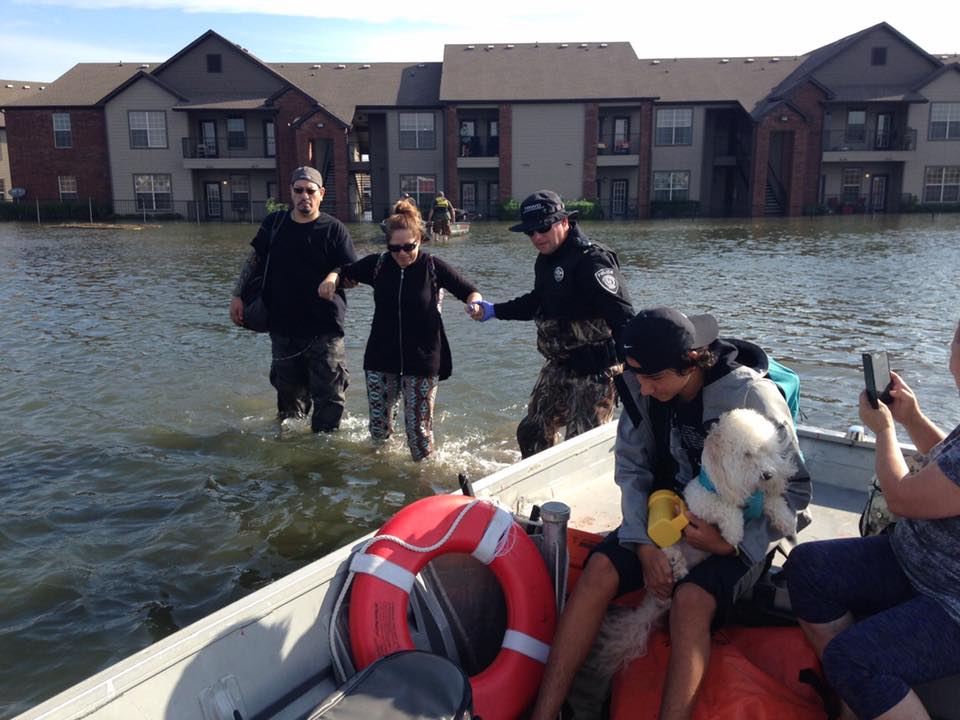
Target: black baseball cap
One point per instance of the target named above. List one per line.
(658, 338)
(539, 209)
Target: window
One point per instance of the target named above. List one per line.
(417, 132)
(240, 192)
(942, 184)
(3, 189)
(671, 186)
(148, 128)
(271, 189)
(675, 126)
(68, 187)
(152, 192)
(850, 184)
(236, 133)
(62, 136)
(423, 188)
(878, 56)
(856, 126)
(214, 63)
(945, 121)
(269, 139)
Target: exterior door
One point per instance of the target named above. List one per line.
(213, 199)
(208, 138)
(884, 123)
(618, 198)
(621, 135)
(493, 199)
(878, 193)
(468, 196)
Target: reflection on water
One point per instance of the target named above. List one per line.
(145, 484)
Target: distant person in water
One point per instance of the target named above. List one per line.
(441, 215)
(407, 352)
(580, 304)
(883, 612)
(304, 246)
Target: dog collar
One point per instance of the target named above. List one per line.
(754, 505)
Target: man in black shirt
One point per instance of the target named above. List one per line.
(305, 246)
(580, 303)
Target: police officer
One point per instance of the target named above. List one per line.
(580, 303)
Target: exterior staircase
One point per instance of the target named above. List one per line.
(771, 204)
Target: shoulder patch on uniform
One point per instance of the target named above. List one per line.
(558, 273)
(608, 280)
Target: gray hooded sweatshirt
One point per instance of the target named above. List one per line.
(737, 386)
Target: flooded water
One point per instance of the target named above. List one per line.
(144, 484)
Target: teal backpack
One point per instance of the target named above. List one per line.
(788, 383)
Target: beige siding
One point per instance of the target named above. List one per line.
(680, 157)
(547, 146)
(852, 67)
(125, 161)
(424, 161)
(945, 88)
(241, 76)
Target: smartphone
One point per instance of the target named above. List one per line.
(876, 377)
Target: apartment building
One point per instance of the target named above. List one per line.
(866, 123)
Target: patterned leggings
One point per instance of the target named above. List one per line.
(419, 395)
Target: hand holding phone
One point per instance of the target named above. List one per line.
(876, 377)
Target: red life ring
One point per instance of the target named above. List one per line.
(386, 571)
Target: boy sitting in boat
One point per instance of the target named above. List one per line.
(682, 376)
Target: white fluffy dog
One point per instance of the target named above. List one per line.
(746, 461)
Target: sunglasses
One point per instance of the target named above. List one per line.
(540, 230)
(406, 247)
(307, 190)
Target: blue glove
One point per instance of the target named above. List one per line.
(487, 308)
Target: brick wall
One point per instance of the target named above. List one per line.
(506, 152)
(803, 119)
(451, 147)
(294, 147)
(645, 168)
(35, 164)
(591, 123)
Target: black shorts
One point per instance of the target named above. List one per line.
(726, 577)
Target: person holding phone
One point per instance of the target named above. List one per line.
(407, 352)
(905, 585)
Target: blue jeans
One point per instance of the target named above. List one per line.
(905, 638)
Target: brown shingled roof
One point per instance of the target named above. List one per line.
(84, 84)
(341, 87)
(539, 72)
(734, 79)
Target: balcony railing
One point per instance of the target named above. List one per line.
(235, 146)
(858, 138)
(618, 144)
(358, 153)
(479, 146)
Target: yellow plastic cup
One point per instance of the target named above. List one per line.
(664, 524)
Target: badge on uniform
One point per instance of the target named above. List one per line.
(558, 273)
(608, 280)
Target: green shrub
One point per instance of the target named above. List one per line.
(274, 205)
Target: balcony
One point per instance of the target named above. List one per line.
(618, 149)
(857, 144)
(358, 157)
(232, 153)
(477, 151)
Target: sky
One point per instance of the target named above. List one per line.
(42, 39)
